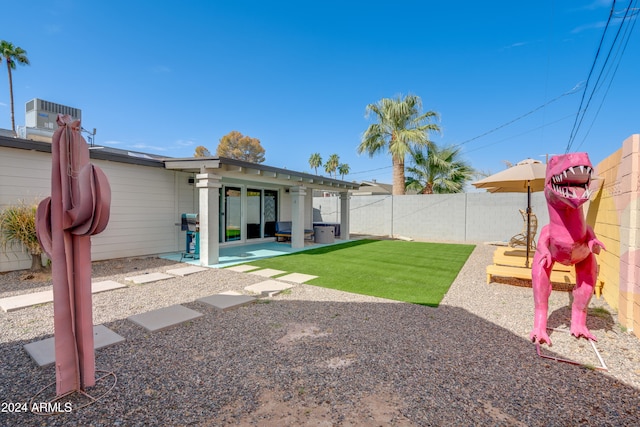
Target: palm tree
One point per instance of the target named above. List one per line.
(12, 55)
(343, 170)
(401, 126)
(315, 161)
(332, 164)
(440, 171)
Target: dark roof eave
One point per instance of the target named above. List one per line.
(222, 162)
(99, 153)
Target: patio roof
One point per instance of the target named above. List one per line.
(247, 170)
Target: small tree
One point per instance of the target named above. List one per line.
(315, 161)
(202, 151)
(18, 225)
(235, 145)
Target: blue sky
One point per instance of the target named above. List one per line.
(164, 77)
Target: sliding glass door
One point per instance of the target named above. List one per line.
(270, 212)
(232, 214)
(247, 213)
(254, 213)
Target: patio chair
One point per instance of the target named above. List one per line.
(283, 231)
(520, 240)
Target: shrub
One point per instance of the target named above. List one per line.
(18, 225)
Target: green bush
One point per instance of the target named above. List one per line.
(18, 225)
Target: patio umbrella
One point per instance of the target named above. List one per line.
(526, 176)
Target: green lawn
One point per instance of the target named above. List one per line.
(414, 272)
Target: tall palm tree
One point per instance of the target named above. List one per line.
(315, 161)
(12, 55)
(343, 170)
(439, 171)
(401, 126)
(332, 164)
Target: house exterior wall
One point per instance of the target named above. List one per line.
(145, 203)
(22, 178)
(286, 206)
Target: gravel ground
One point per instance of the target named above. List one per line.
(315, 356)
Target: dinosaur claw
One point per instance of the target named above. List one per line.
(539, 336)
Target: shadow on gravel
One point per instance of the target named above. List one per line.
(299, 362)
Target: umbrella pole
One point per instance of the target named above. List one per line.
(528, 223)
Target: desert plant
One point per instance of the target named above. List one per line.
(18, 225)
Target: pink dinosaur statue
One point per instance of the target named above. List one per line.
(567, 239)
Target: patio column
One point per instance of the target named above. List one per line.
(209, 215)
(297, 216)
(344, 215)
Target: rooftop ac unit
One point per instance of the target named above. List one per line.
(41, 114)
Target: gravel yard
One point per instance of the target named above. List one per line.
(314, 356)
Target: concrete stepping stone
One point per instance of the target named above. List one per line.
(243, 268)
(267, 272)
(163, 318)
(21, 301)
(268, 287)
(297, 277)
(226, 302)
(146, 278)
(27, 300)
(185, 271)
(44, 353)
(230, 293)
(105, 285)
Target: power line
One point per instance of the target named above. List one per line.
(583, 111)
(618, 60)
(593, 65)
(569, 92)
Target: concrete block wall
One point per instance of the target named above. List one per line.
(616, 218)
(470, 217)
(628, 205)
(421, 217)
(496, 217)
(370, 215)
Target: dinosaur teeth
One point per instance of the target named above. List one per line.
(575, 195)
(564, 173)
(572, 171)
(581, 169)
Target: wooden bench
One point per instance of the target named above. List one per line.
(564, 277)
(516, 258)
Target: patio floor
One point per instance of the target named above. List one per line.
(239, 254)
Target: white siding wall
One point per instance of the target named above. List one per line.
(146, 204)
(24, 176)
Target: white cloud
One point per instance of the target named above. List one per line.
(112, 143)
(148, 147)
(587, 27)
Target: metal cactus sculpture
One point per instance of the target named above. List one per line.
(79, 207)
(567, 239)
